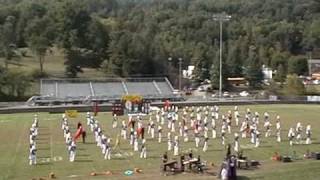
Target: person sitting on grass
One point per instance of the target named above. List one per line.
(276, 157)
(308, 154)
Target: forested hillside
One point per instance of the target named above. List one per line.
(130, 37)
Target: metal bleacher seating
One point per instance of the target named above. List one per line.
(109, 89)
(143, 88)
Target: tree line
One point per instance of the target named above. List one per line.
(136, 37)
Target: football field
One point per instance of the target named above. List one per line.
(52, 154)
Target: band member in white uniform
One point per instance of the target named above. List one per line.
(176, 146)
(72, 151)
(278, 127)
(236, 142)
(32, 155)
(291, 136)
(143, 153)
(308, 134)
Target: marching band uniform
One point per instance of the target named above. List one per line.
(291, 135)
(176, 146)
(268, 129)
(243, 129)
(124, 130)
(114, 121)
(257, 138)
(32, 155)
(135, 144)
(278, 127)
(143, 153)
(131, 136)
(107, 155)
(72, 151)
(159, 133)
(236, 142)
(299, 131)
(152, 126)
(185, 133)
(169, 142)
(308, 133)
(205, 146)
(88, 118)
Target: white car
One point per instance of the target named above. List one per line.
(226, 94)
(244, 94)
(176, 91)
(201, 89)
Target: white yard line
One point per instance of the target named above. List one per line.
(88, 127)
(51, 151)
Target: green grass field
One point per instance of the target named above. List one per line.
(52, 152)
(53, 65)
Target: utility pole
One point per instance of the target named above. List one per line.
(221, 18)
(180, 69)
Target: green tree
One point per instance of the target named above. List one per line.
(8, 48)
(281, 74)
(253, 70)
(215, 73)
(293, 86)
(40, 36)
(298, 65)
(234, 62)
(199, 59)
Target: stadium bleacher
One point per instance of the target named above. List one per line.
(106, 90)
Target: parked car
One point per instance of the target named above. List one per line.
(226, 94)
(201, 89)
(244, 93)
(176, 91)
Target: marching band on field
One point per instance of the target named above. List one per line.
(193, 123)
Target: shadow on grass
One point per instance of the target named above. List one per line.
(266, 146)
(242, 178)
(153, 157)
(43, 157)
(44, 163)
(210, 173)
(43, 138)
(83, 160)
(83, 155)
(120, 158)
(213, 150)
(89, 143)
(44, 134)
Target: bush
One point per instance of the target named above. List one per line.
(37, 74)
(293, 86)
(14, 84)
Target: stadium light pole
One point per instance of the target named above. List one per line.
(180, 69)
(169, 66)
(221, 18)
